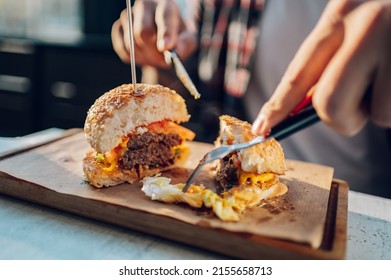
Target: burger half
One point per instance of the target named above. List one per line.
(253, 171)
(247, 177)
(134, 136)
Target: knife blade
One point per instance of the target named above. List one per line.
(171, 57)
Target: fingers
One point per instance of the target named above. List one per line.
(340, 99)
(168, 21)
(158, 26)
(145, 34)
(144, 23)
(144, 46)
(306, 67)
(117, 39)
(173, 32)
(123, 20)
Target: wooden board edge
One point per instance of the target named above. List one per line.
(340, 242)
(235, 245)
(64, 134)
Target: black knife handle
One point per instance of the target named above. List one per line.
(293, 124)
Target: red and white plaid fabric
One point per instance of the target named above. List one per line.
(234, 23)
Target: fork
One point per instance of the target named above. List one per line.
(299, 121)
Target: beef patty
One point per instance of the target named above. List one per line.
(227, 174)
(150, 150)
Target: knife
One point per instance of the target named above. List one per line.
(171, 57)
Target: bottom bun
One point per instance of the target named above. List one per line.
(248, 197)
(97, 177)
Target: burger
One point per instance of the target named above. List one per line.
(135, 135)
(246, 178)
(251, 173)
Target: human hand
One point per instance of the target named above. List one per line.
(158, 26)
(347, 51)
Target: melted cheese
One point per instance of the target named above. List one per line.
(251, 178)
(110, 159)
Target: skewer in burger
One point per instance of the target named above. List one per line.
(134, 136)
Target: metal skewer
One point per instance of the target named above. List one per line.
(131, 41)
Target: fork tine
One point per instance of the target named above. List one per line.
(193, 175)
(208, 157)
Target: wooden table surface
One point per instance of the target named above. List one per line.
(30, 231)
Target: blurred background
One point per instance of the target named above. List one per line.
(56, 58)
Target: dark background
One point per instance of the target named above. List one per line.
(52, 82)
(49, 83)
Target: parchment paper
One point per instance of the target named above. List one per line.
(299, 215)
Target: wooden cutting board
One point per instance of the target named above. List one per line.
(51, 175)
